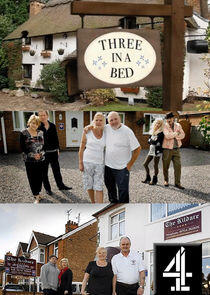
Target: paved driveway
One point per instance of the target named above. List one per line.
(195, 177)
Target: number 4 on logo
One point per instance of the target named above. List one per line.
(180, 274)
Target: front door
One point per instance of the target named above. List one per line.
(74, 128)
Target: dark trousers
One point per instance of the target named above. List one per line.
(117, 179)
(52, 159)
(124, 289)
(156, 162)
(34, 172)
(50, 292)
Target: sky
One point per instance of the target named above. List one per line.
(17, 221)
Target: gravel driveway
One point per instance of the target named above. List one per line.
(195, 177)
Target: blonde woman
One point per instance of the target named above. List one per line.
(91, 159)
(155, 150)
(65, 278)
(98, 275)
(31, 142)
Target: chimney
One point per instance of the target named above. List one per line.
(35, 7)
(70, 225)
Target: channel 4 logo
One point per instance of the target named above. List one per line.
(178, 269)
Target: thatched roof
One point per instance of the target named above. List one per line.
(56, 18)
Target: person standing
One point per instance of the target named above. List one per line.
(32, 142)
(51, 147)
(65, 278)
(91, 159)
(173, 134)
(155, 150)
(49, 276)
(98, 275)
(129, 274)
(122, 150)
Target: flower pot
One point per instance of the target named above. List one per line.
(45, 54)
(25, 48)
(19, 84)
(32, 52)
(60, 51)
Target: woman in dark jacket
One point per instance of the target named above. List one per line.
(65, 278)
(32, 142)
(155, 141)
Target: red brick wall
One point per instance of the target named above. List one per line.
(33, 244)
(86, 118)
(1, 139)
(20, 252)
(12, 136)
(35, 7)
(195, 4)
(79, 250)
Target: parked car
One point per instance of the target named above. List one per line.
(76, 288)
(13, 288)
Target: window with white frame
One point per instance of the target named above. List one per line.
(56, 249)
(117, 225)
(41, 255)
(20, 119)
(159, 211)
(149, 119)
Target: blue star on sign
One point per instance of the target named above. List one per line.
(146, 61)
(94, 62)
(142, 57)
(138, 62)
(100, 58)
(104, 63)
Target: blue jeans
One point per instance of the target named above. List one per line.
(117, 180)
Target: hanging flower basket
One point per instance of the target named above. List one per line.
(46, 54)
(60, 51)
(32, 52)
(134, 90)
(25, 48)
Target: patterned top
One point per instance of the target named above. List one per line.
(32, 145)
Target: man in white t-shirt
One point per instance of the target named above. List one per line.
(122, 150)
(128, 269)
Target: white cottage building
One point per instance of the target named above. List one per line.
(147, 224)
(51, 35)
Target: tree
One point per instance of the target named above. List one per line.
(13, 13)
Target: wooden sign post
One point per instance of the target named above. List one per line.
(174, 12)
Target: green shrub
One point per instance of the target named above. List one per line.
(53, 79)
(3, 82)
(97, 97)
(204, 127)
(154, 96)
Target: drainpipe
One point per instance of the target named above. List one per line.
(4, 135)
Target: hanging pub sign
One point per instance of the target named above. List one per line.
(110, 58)
(20, 266)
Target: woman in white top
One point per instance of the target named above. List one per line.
(91, 159)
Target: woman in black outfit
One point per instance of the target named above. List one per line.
(98, 275)
(155, 141)
(32, 142)
(65, 278)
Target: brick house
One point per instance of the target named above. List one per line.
(70, 127)
(78, 244)
(52, 27)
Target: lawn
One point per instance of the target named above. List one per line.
(121, 106)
